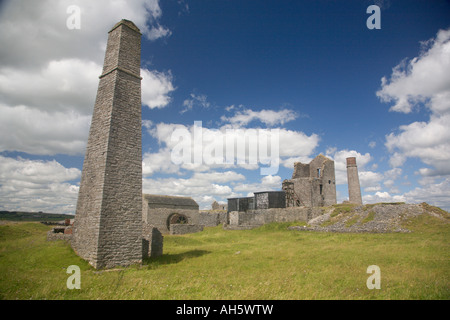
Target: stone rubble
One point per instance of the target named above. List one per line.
(378, 218)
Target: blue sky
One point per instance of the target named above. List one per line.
(311, 69)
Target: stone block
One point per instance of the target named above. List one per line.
(152, 241)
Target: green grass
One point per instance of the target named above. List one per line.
(370, 216)
(341, 211)
(352, 221)
(269, 262)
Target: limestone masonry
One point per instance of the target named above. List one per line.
(162, 211)
(108, 222)
(354, 189)
(312, 184)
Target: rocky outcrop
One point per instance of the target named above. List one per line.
(373, 218)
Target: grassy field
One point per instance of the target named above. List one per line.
(270, 262)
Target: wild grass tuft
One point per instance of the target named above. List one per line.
(370, 216)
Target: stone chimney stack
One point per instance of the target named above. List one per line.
(354, 189)
(108, 220)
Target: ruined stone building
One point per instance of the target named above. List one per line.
(260, 200)
(178, 215)
(218, 206)
(312, 184)
(162, 211)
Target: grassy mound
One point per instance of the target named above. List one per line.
(378, 217)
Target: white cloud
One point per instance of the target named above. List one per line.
(292, 145)
(289, 162)
(367, 178)
(394, 173)
(221, 177)
(437, 194)
(158, 162)
(372, 189)
(43, 133)
(31, 185)
(397, 159)
(267, 183)
(47, 111)
(268, 117)
(383, 197)
(389, 183)
(200, 100)
(49, 74)
(297, 144)
(428, 141)
(158, 32)
(60, 85)
(32, 34)
(423, 80)
(156, 87)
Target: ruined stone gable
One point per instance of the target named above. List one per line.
(312, 184)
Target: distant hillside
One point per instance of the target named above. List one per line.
(33, 216)
(375, 218)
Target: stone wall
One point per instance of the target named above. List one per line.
(160, 217)
(264, 216)
(301, 170)
(52, 236)
(60, 233)
(241, 204)
(185, 228)
(212, 218)
(328, 182)
(269, 199)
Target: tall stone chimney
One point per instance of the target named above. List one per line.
(108, 221)
(354, 189)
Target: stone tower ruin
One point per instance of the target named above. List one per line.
(354, 189)
(108, 221)
(312, 185)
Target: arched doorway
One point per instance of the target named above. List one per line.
(176, 218)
